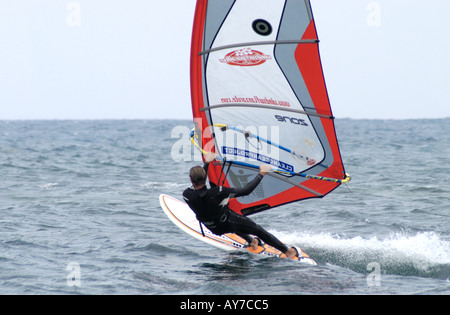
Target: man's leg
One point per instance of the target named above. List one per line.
(240, 224)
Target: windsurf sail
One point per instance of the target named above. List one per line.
(259, 96)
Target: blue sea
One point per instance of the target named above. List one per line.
(79, 214)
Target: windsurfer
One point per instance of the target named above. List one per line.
(211, 208)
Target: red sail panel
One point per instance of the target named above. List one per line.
(308, 60)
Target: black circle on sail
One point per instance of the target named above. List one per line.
(262, 27)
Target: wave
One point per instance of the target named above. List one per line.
(425, 254)
(49, 186)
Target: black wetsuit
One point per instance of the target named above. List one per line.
(211, 208)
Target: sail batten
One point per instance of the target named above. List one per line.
(276, 42)
(259, 96)
(292, 110)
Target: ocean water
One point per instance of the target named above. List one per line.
(79, 214)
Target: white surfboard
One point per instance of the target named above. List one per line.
(183, 217)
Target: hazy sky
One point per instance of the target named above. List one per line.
(113, 59)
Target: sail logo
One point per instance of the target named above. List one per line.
(295, 121)
(258, 157)
(245, 58)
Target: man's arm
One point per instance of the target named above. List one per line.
(209, 157)
(244, 191)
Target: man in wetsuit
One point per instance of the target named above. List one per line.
(211, 208)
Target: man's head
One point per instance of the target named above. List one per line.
(197, 175)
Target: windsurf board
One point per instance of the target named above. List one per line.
(184, 218)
